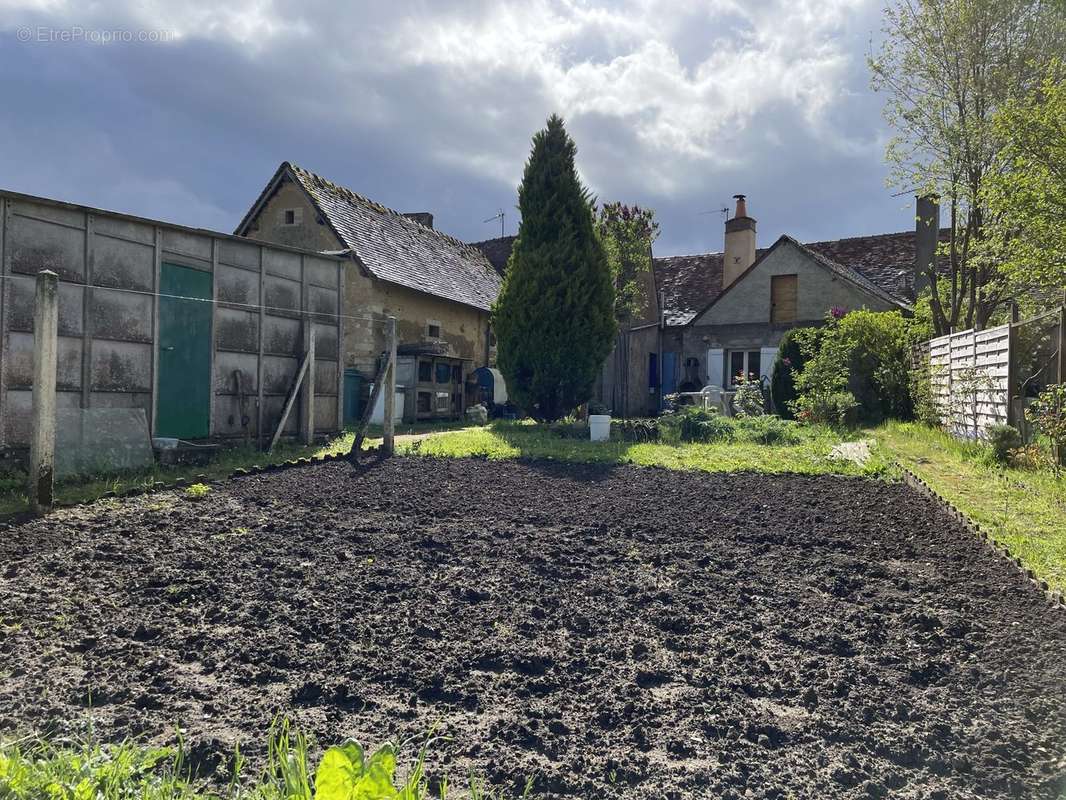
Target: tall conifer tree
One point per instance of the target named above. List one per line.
(554, 318)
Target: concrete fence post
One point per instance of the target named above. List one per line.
(389, 436)
(45, 355)
(308, 389)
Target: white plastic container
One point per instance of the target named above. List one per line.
(599, 427)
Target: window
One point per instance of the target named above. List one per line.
(783, 298)
(425, 402)
(744, 362)
(433, 330)
(444, 372)
(444, 400)
(425, 371)
(291, 216)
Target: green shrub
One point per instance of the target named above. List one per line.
(767, 430)
(788, 364)
(1003, 439)
(749, 401)
(1048, 413)
(697, 424)
(569, 428)
(866, 353)
(833, 408)
(635, 430)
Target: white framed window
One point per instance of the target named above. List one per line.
(743, 362)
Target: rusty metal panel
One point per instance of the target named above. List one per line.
(33, 245)
(237, 285)
(281, 336)
(122, 264)
(281, 263)
(122, 316)
(121, 367)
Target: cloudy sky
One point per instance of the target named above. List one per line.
(182, 111)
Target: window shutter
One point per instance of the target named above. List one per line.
(767, 356)
(716, 366)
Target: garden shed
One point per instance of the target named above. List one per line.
(203, 331)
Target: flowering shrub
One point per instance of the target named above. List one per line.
(749, 400)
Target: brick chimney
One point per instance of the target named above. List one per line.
(926, 238)
(421, 217)
(739, 243)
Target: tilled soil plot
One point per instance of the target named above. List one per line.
(618, 632)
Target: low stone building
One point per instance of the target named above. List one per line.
(440, 289)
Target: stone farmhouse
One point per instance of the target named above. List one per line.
(440, 289)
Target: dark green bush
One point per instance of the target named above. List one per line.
(766, 430)
(789, 363)
(1003, 439)
(835, 409)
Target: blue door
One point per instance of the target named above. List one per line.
(669, 373)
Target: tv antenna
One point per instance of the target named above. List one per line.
(501, 217)
(724, 211)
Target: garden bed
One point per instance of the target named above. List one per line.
(615, 631)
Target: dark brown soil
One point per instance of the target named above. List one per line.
(616, 632)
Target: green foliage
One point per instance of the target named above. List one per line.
(1002, 439)
(198, 491)
(946, 67)
(569, 428)
(749, 400)
(554, 318)
(636, 430)
(767, 430)
(1048, 413)
(924, 400)
(833, 408)
(1027, 191)
(866, 354)
(627, 233)
(788, 364)
(698, 424)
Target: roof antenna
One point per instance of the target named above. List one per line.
(724, 211)
(501, 217)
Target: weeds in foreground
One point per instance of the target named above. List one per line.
(34, 768)
(198, 491)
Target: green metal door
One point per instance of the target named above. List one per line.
(184, 391)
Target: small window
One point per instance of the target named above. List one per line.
(744, 362)
(425, 371)
(444, 400)
(444, 372)
(433, 331)
(292, 216)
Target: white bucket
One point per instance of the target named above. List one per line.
(599, 427)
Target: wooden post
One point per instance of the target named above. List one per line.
(1060, 452)
(390, 387)
(307, 399)
(45, 355)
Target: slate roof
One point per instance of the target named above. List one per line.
(881, 264)
(395, 248)
(497, 251)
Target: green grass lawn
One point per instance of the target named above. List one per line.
(1026, 510)
(809, 456)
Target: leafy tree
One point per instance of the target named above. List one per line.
(1027, 192)
(627, 233)
(554, 318)
(866, 354)
(948, 66)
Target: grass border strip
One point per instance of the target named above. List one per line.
(1054, 598)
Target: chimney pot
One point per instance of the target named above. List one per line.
(742, 206)
(739, 243)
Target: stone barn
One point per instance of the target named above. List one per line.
(203, 331)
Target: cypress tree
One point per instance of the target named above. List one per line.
(554, 318)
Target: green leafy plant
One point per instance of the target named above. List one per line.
(627, 233)
(636, 430)
(833, 408)
(787, 365)
(554, 317)
(1002, 439)
(749, 401)
(198, 491)
(767, 429)
(1048, 413)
